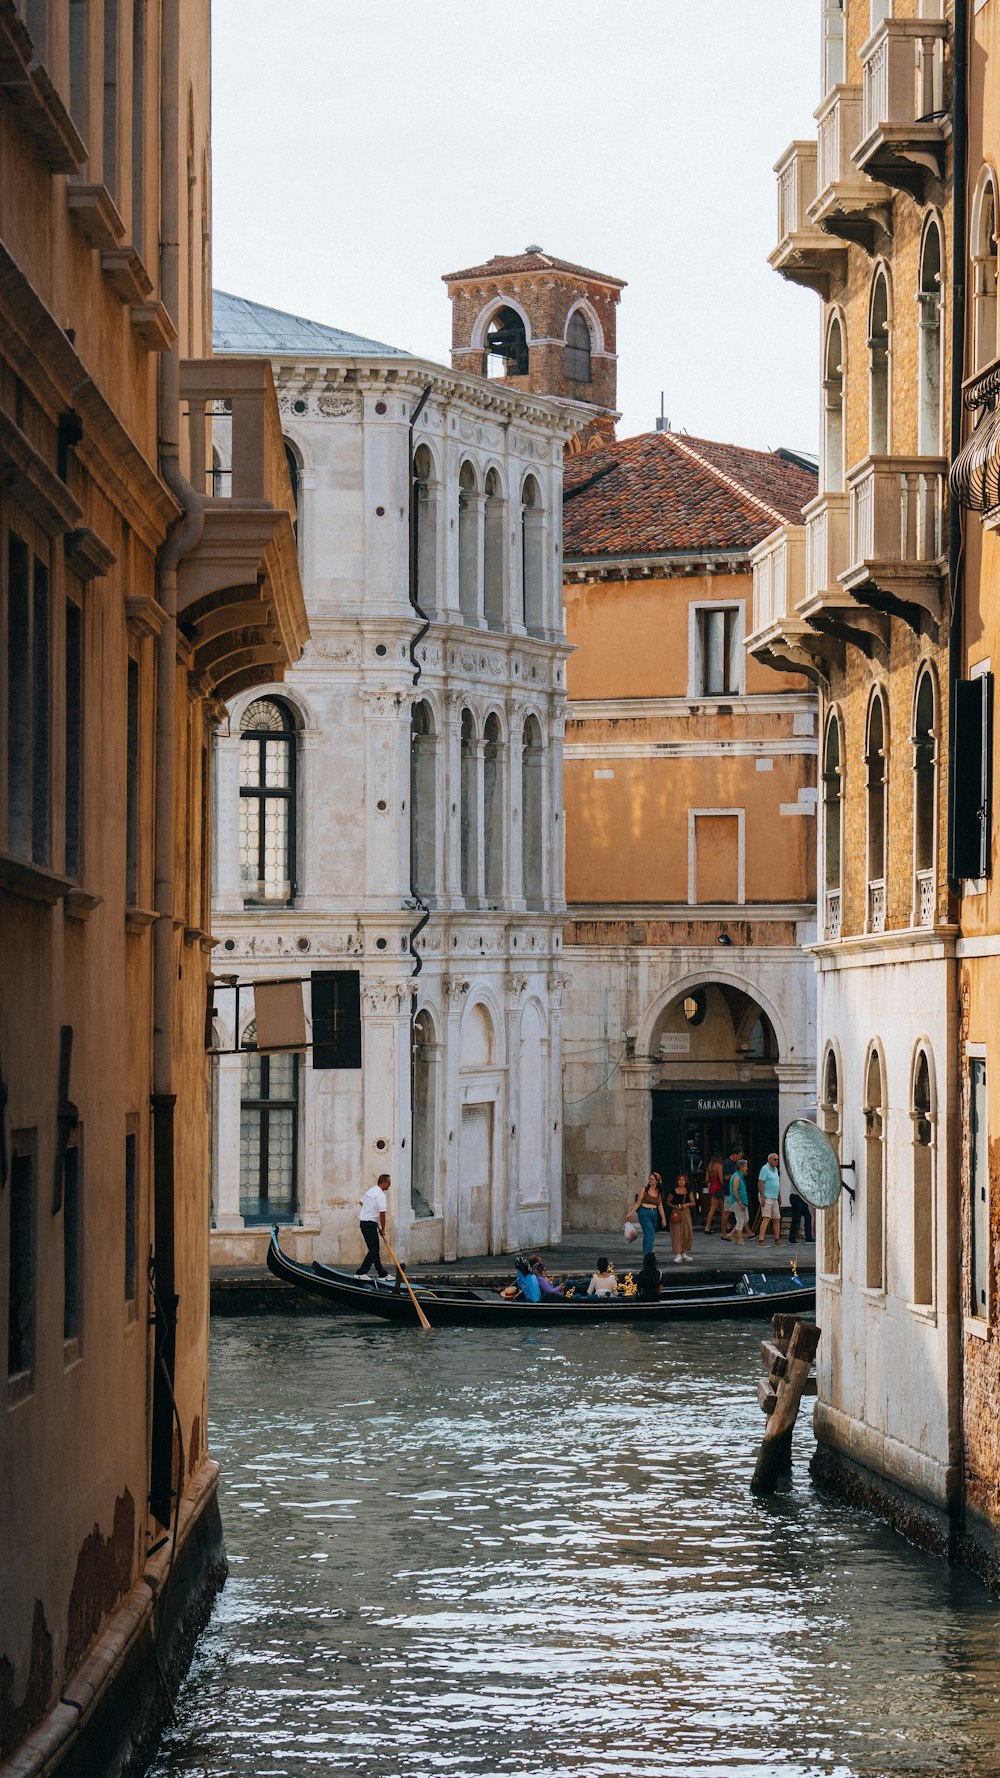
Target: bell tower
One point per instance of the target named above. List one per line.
(545, 326)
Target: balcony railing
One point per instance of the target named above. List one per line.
(247, 548)
(805, 253)
(833, 905)
(897, 533)
(925, 898)
(778, 577)
(876, 906)
(827, 529)
(847, 203)
(903, 124)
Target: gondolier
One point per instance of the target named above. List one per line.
(374, 1205)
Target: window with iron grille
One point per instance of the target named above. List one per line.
(267, 804)
(28, 715)
(269, 1104)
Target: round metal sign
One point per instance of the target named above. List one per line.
(813, 1168)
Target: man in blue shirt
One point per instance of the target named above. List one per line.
(769, 1192)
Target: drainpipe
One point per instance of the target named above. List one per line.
(183, 537)
(959, 182)
(417, 670)
(959, 176)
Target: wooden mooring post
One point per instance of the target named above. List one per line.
(788, 1358)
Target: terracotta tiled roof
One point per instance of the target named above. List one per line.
(664, 493)
(502, 264)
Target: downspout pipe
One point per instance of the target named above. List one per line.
(959, 211)
(960, 252)
(183, 537)
(416, 639)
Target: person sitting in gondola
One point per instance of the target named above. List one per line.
(525, 1283)
(648, 1281)
(603, 1282)
(545, 1284)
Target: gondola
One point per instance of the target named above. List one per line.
(756, 1294)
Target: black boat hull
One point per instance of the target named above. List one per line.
(755, 1294)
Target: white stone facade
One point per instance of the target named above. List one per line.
(428, 853)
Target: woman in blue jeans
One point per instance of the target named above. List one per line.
(649, 1208)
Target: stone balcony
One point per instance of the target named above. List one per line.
(240, 601)
(781, 637)
(806, 253)
(896, 552)
(847, 203)
(826, 605)
(904, 122)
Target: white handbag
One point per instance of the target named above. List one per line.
(631, 1231)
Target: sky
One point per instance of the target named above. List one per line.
(362, 148)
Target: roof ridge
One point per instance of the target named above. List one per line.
(727, 481)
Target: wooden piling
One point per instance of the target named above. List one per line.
(788, 1357)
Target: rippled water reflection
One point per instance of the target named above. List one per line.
(474, 1554)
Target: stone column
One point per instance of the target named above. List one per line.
(227, 1144)
(796, 1094)
(455, 989)
(385, 1028)
(228, 895)
(558, 985)
(513, 811)
(386, 828)
(514, 990)
(638, 1080)
(556, 849)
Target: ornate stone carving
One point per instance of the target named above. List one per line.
(430, 654)
(480, 432)
(383, 998)
(515, 987)
(456, 988)
(380, 701)
(289, 944)
(335, 648)
(339, 407)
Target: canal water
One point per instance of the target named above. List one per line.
(514, 1552)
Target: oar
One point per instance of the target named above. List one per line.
(420, 1314)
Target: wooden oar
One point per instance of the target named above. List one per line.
(420, 1314)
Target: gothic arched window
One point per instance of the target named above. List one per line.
(876, 753)
(576, 355)
(874, 1109)
(532, 763)
(984, 271)
(269, 1102)
(878, 367)
(423, 800)
(922, 1114)
(930, 297)
(833, 409)
(267, 803)
(830, 1122)
(832, 826)
(924, 798)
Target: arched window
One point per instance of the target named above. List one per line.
(833, 409)
(922, 1115)
(930, 297)
(269, 1098)
(874, 1109)
(267, 803)
(830, 1123)
(878, 368)
(424, 530)
(423, 801)
(493, 552)
(532, 556)
(833, 815)
(424, 1193)
(877, 780)
(924, 799)
(470, 811)
(576, 355)
(493, 822)
(984, 270)
(470, 508)
(506, 345)
(532, 763)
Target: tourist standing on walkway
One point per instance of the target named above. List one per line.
(374, 1205)
(741, 1206)
(769, 1192)
(801, 1212)
(728, 1208)
(681, 1202)
(649, 1208)
(716, 1188)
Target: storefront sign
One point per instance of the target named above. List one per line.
(730, 1104)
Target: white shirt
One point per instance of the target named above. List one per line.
(373, 1204)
